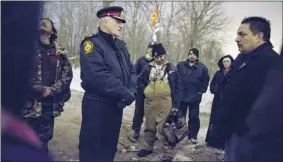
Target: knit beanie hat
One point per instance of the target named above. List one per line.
(195, 51)
(158, 50)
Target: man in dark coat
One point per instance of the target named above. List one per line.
(139, 104)
(244, 83)
(109, 80)
(212, 139)
(19, 142)
(264, 140)
(194, 82)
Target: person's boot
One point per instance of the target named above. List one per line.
(194, 141)
(143, 153)
(134, 135)
(166, 158)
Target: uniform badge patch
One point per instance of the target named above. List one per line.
(88, 47)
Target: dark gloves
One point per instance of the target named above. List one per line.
(126, 101)
(121, 104)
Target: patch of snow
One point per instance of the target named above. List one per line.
(206, 102)
(76, 82)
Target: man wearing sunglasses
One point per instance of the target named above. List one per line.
(109, 80)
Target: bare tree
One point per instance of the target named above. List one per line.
(136, 33)
(211, 52)
(182, 25)
(199, 21)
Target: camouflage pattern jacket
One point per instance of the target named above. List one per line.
(60, 90)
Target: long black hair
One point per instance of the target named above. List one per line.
(54, 36)
(19, 20)
(220, 62)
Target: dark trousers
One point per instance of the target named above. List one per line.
(139, 112)
(43, 125)
(100, 128)
(193, 121)
(214, 141)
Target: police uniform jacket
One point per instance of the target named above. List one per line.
(107, 72)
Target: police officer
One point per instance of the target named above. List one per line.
(109, 80)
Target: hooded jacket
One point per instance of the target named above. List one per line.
(219, 75)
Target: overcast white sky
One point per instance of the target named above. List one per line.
(238, 10)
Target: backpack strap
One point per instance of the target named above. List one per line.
(166, 71)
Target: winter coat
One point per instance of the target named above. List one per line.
(60, 89)
(265, 122)
(212, 138)
(107, 72)
(194, 81)
(242, 86)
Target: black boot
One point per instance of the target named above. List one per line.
(166, 158)
(143, 153)
(134, 135)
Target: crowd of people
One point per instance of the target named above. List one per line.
(246, 112)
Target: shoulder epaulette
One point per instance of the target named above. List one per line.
(88, 37)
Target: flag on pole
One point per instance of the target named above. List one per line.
(154, 17)
(154, 23)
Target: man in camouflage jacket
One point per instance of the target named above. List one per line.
(50, 84)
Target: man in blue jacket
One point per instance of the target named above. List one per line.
(194, 82)
(109, 80)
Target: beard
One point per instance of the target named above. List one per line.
(192, 60)
(159, 62)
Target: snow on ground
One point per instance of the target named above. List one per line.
(76, 82)
(205, 105)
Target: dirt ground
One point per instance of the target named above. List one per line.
(64, 145)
